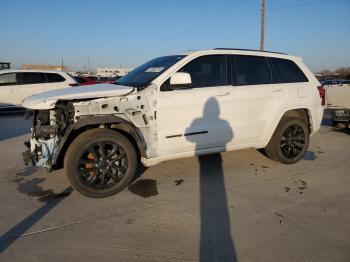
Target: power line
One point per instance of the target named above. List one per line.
(208, 19)
(303, 4)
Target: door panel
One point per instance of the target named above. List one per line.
(200, 117)
(7, 96)
(31, 83)
(255, 107)
(256, 100)
(194, 119)
(7, 90)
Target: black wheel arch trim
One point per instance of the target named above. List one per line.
(115, 122)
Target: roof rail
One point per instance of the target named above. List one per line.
(240, 49)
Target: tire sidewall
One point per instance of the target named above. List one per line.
(81, 143)
(281, 129)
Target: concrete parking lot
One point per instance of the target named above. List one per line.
(237, 206)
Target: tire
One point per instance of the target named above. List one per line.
(289, 142)
(340, 124)
(100, 163)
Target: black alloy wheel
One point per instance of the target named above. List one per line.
(293, 141)
(102, 165)
(100, 162)
(290, 141)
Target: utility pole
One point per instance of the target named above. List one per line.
(262, 35)
(89, 64)
(62, 64)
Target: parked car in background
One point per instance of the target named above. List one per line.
(335, 82)
(109, 80)
(83, 81)
(338, 102)
(180, 105)
(344, 82)
(15, 85)
(95, 78)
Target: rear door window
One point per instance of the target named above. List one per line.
(8, 79)
(251, 70)
(287, 71)
(54, 78)
(33, 78)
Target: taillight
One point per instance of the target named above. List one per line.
(75, 84)
(322, 94)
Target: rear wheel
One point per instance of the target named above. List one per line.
(289, 141)
(100, 163)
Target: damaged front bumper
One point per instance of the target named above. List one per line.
(41, 147)
(40, 152)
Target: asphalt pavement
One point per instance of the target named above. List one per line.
(237, 206)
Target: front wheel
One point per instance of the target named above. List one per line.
(289, 141)
(100, 163)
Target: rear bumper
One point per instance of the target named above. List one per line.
(341, 115)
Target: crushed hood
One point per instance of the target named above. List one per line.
(47, 100)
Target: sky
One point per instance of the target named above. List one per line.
(106, 33)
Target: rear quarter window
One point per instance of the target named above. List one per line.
(54, 78)
(287, 71)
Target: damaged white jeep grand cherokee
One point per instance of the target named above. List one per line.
(175, 106)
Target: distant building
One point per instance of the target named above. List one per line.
(5, 65)
(112, 71)
(44, 67)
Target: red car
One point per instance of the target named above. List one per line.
(109, 80)
(83, 81)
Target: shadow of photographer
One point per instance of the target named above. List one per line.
(216, 242)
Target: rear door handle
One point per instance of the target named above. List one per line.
(223, 94)
(277, 90)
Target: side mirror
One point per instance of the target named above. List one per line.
(180, 80)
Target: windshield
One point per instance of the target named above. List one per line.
(144, 74)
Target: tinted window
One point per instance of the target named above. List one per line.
(144, 74)
(287, 71)
(207, 71)
(8, 79)
(80, 80)
(251, 70)
(33, 78)
(53, 78)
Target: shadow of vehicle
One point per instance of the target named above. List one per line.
(30, 187)
(344, 130)
(216, 242)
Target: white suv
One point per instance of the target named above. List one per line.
(175, 106)
(15, 85)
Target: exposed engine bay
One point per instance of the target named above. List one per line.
(49, 127)
(53, 128)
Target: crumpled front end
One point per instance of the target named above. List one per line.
(48, 128)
